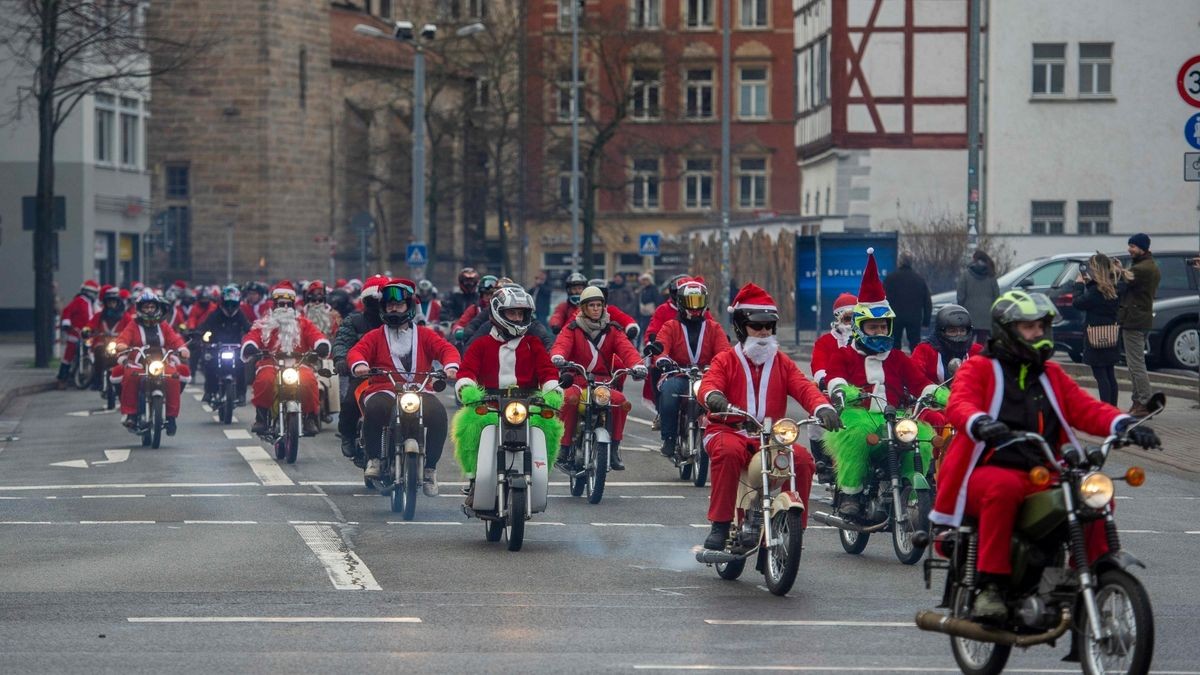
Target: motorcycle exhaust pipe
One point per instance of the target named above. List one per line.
(717, 557)
(843, 524)
(964, 628)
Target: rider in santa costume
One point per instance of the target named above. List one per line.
(75, 317)
(150, 329)
(1012, 387)
(841, 332)
(952, 340)
(283, 330)
(755, 377)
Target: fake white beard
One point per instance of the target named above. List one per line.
(842, 333)
(321, 315)
(282, 323)
(760, 350)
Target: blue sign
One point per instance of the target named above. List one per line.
(648, 244)
(843, 258)
(1191, 131)
(417, 255)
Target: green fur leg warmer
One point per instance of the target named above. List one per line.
(468, 425)
(848, 446)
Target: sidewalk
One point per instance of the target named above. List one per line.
(18, 377)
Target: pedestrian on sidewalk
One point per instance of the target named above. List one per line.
(1096, 296)
(977, 290)
(648, 298)
(540, 291)
(909, 297)
(1136, 316)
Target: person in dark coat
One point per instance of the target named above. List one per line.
(1135, 313)
(540, 291)
(908, 295)
(1096, 296)
(977, 290)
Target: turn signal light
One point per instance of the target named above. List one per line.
(1039, 476)
(481, 410)
(547, 413)
(872, 439)
(627, 406)
(1135, 476)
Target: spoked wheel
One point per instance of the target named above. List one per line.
(974, 657)
(597, 473)
(853, 542)
(1128, 625)
(683, 448)
(412, 481)
(291, 437)
(730, 571)
(700, 475)
(156, 422)
(783, 559)
(110, 394)
(917, 505)
(81, 372)
(516, 518)
(227, 398)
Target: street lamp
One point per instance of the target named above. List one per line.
(404, 32)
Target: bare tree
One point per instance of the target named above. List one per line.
(937, 247)
(70, 49)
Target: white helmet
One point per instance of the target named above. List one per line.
(510, 297)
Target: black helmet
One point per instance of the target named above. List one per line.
(953, 316)
(1006, 341)
(487, 285)
(397, 292)
(231, 298)
(573, 280)
(468, 279)
(339, 299)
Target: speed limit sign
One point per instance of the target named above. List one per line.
(1189, 81)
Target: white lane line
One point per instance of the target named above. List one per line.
(652, 497)
(273, 619)
(821, 624)
(346, 570)
(322, 522)
(118, 522)
(294, 494)
(263, 466)
(545, 522)
(31, 522)
(639, 420)
(841, 669)
(12, 498)
(1142, 532)
(119, 486)
(207, 494)
(109, 496)
(198, 396)
(237, 434)
(627, 525)
(220, 522)
(424, 522)
(1192, 532)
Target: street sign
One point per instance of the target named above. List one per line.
(1191, 167)
(362, 221)
(1188, 81)
(1191, 131)
(417, 255)
(648, 244)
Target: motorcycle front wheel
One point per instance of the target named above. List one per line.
(82, 372)
(700, 473)
(1128, 620)
(917, 506)
(516, 518)
(410, 484)
(156, 421)
(227, 398)
(853, 542)
(597, 473)
(783, 559)
(291, 437)
(974, 657)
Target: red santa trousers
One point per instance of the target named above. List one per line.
(570, 411)
(994, 496)
(264, 388)
(129, 376)
(729, 453)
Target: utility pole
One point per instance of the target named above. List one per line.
(418, 153)
(973, 127)
(726, 163)
(575, 261)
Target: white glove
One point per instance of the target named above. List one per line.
(639, 372)
(558, 360)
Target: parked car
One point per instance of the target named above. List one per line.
(1174, 341)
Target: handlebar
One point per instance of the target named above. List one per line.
(428, 377)
(759, 427)
(589, 375)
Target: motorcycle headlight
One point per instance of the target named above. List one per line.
(696, 389)
(410, 402)
(785, 431)
(1096, 490)
(515, 412)
(111, 348)
(155, 368)
(906, 431)
(227, 356)
(603, 395)
(291, 376)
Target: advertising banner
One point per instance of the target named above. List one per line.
(842, 258)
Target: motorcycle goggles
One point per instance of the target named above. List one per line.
(396, 293)
(285, 304)
(694, 299)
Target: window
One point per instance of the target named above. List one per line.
(698, 93)
(130, 126)
(646, 90)
(482, 92)
(1094, 217)
(1049, 64)
(818, 73)
(385, 8)
(1047, 218)
(699, 13)
(477, 9)
(178, 240)
(564, 186)
(178, 181)
(564, 93)
(828, 202)
(1095, 69)
(303, 76)
(752, 184)
(697, 184)
(1044, 276)
(645, 13)
(754, 13)
(645, 184)
(106, 131)
(752, 93)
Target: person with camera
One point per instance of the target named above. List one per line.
(1096, 296)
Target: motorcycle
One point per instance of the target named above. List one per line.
(587, 465)
(152, 396)
(770, 512)
(283, 433)
(224, 397)
(894, 498)
(83, 364)
(690, 456)
(1051, 590)
(103, 350)
(403, 460)
(512, 475)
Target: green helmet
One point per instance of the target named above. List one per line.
(1012, 307)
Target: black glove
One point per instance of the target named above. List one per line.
(716, 402)
(989, 430)
(565, 380)
(342, 367)
(1139, 435)
(652, 349)
(829, 419)
(249, 349)
(323, 350)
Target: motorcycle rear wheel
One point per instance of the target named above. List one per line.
(156, 422)
(516, 518)
(974, 657)
(853, 542)
(700, 473)
(1125, 611)
(493, 530)
(783, 561)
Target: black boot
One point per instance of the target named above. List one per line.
(310, 425)
(170, 427)
(850, 507)
(717, 536)
(348, 446)
(614, 457)
(668, 447)
(262, 421)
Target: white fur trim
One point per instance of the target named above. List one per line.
(355, 364)
(462, 382)
(960, 504)
(929, 389)
(550, 385)
(870, 250)
(971, 424)
(835, 383)
(507, 375)
(1112, 428)
(819, 375)
(743, 305)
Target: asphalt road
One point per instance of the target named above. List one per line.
(200, 557)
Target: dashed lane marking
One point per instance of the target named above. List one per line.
(263, 465)
(346, 570)
(237, 434)
(639, 420)
(628, 525)
(425, 522)
(809, 623)
(120, 486)
(110, 496)
(273, 619)
(220, 522)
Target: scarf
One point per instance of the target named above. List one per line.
(592, 328)
(760, 350)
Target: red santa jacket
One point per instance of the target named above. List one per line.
(256, 311)
(562, 315)
(492, 363)
(926, 358)
(662, 314)
(309, 339)
(612, 350)
(198, 314)
(823, 350)
(429, 312)
(99, 326)
(762, 391)
(465, 318)
(76, 316)
(676, 346)
(890, 375)
(979, 390)
(134, 335)
(375, 350)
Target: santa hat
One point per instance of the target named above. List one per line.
(844, 301)
(412, 285)
(871, 289)
(180, 284)
(284, 291)
(374, 286)
(125, 294)
(752, 298)
(91, 285)
(104, 288)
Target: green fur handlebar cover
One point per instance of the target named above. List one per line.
(851, 454)
(469, 425)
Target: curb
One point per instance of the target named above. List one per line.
(9, 396)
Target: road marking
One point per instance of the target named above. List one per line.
(424, 522)
(639, 420)
(220, 522)
(822, 624)
(345, 569)
(1142, 532)
(294, 494)
(72, 464)
(652, 496)
(198, 396)
(109, 496)
(80, 413)
(118, 522)
(322, 522)
(546, 522)
(114, 457)
(119, 486)
(237, 434)
(207, 494)
(263, 466)
(627, 525)
(273, 619)
(31, 522)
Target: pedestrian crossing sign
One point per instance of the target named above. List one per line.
(417, 255)
(648, 244)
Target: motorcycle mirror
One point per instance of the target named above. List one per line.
(439, 385)
(325, 372)
(1157, 402)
